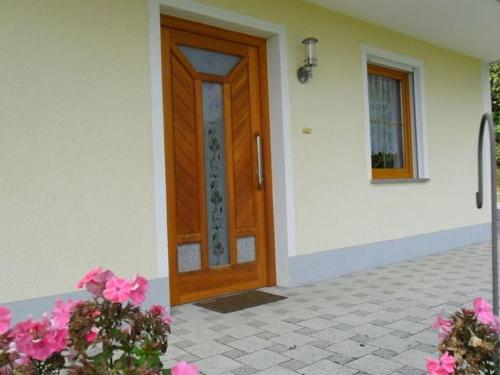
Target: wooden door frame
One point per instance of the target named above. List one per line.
(260, 45)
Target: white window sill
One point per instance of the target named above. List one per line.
(399, 181)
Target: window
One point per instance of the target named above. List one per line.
(391, 128)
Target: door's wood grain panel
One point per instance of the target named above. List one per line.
(186, 163)
(242, 149)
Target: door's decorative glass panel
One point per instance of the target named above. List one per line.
(245, 247)
(215, 174)
(189, 257)
(386, 125)
(210, 62)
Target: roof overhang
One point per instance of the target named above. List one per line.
(471, 27)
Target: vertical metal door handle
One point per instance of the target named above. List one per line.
(260, 170)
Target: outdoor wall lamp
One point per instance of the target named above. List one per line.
(305, 71)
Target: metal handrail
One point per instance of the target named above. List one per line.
(488, 120)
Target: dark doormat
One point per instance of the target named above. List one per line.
(240, 301)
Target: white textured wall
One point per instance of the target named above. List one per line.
(76, 178)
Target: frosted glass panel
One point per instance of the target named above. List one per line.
(210, 62)
(386, 126)
(189, 257)
(246, 249)
(215, 174)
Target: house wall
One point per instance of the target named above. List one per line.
(76, 168)
(336, 205)
(76, 153)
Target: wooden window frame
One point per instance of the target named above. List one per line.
(406, 116)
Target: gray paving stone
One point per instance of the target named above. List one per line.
(262, 359)
(278, 348)
(217, 365)
(292, 339)
(207, 349)
(234, 353)
(413, 358)
(393, 343)
(293, 364)
(340, 358)
(407, 326)
(371, 330)
(321, 328)
(325, 367)
(250, 344)
(277, 370)
(374, 365)
(244, 370)
(307, 354)
(352, 348)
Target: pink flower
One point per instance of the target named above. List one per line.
(94, 313)
(161, 311)
(157, 310)
(89, 276)
(139, 289)
(92, 334)
(167, 319)
(95, 281)
(127, 329)
(184, 368)
(444, 326)
(117, 289)
(62, 313)
(483, 311)
(39, 339)
(97, 284)
(444, 366)
(5, 318)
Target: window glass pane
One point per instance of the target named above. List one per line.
(386, 125)
(210, 62)
(215, 173)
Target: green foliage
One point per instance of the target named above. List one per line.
(495, 93)
(495, 101)
(474, 345)
(130, 341)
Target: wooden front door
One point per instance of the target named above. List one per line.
(220, 226)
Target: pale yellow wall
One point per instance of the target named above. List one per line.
(76, 168)
(76, 177)
(335, 205)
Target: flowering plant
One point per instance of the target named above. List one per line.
(468, 342)
(107, 334)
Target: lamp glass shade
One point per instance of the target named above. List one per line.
(310, 51)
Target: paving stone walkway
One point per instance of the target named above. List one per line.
(373, 322)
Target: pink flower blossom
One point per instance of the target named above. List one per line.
(444, 366)
(157, 310)
(483, 311)
(161, 311)
(95, 281)
(117, 289)
(138, 290)
(444, 326)
(89, 276)
(167, 319)
(97, 285)
(94, 313)
(92, 334)
(127, 329)
(62, 313)
(39, 339)
(5, 318)
(184, 368)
